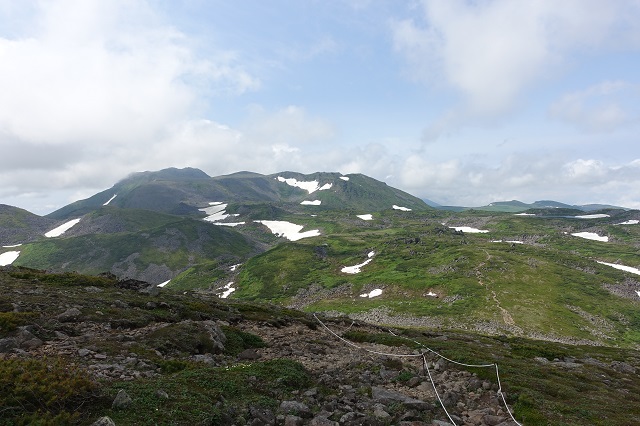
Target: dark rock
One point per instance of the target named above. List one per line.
(8, 344)
(322, 421)
(104, 421)
(263, 415)
(70, 315)
(84, 352)
(295, 407)
(121, 401)
(27, 340)
(493, 420)
(440, 423)
(293, 421)
(623, 367)
(388, 396)
(249, 354)
(162, 394)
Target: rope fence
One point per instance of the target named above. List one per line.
(425, 365)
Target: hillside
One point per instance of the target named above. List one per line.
(19, 226)
(140, 244)
(125, 352)
(515, 206)
(495, 274)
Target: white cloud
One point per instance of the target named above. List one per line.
(526, 177)
(86, 84)
(600, 108)
(288, 126)
(492, 51)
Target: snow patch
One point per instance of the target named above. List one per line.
(365, 216)
(325, 187)
(524, 214)
(432, 294)
(638, 293)
(622, 267)
(469, 229)
(508, 241)
(216, 212)
(227, 290)
(592, 216)
(404, 209)
(356, 269)
(7, 258)
(289, 230)
(310, 186)
(591, 236)
(373, 293)
(56, 232)
(234, 267)
(232, 224)
(311, 203)
(345, 178)
(163, 284)
(629, 222)
(110, 200)
(12, 246)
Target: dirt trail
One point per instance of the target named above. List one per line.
(506, 316)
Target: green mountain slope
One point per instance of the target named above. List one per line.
(137, 244)
(526, 276)
(184, 191)
(19, 226)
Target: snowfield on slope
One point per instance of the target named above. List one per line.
(56, 232)
(289, 230)
(622, 267)
(469, 229)
(373, 293)
(356, 269)
(591, 236)
(7, 258)
(110, 200)
(215, 212)
(310, 186)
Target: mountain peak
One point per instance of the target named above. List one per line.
(171, 173)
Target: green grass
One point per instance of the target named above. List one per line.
(540, 285)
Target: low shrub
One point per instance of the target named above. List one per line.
(42, 391)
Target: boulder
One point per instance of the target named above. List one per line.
(121, 401)
(104, 421)
(70, 315)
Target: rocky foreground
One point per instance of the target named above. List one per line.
(139, 356)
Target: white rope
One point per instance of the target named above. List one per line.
(503, 398)
(363, 348)
(426, 366)
(424, 359)
(442, 356)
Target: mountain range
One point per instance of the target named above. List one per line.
(352, 245)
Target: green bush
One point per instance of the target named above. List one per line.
(238, 340)
(42, 391)
(9, 321)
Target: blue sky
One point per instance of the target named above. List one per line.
(460, 102)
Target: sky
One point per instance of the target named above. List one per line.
(459, 102)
